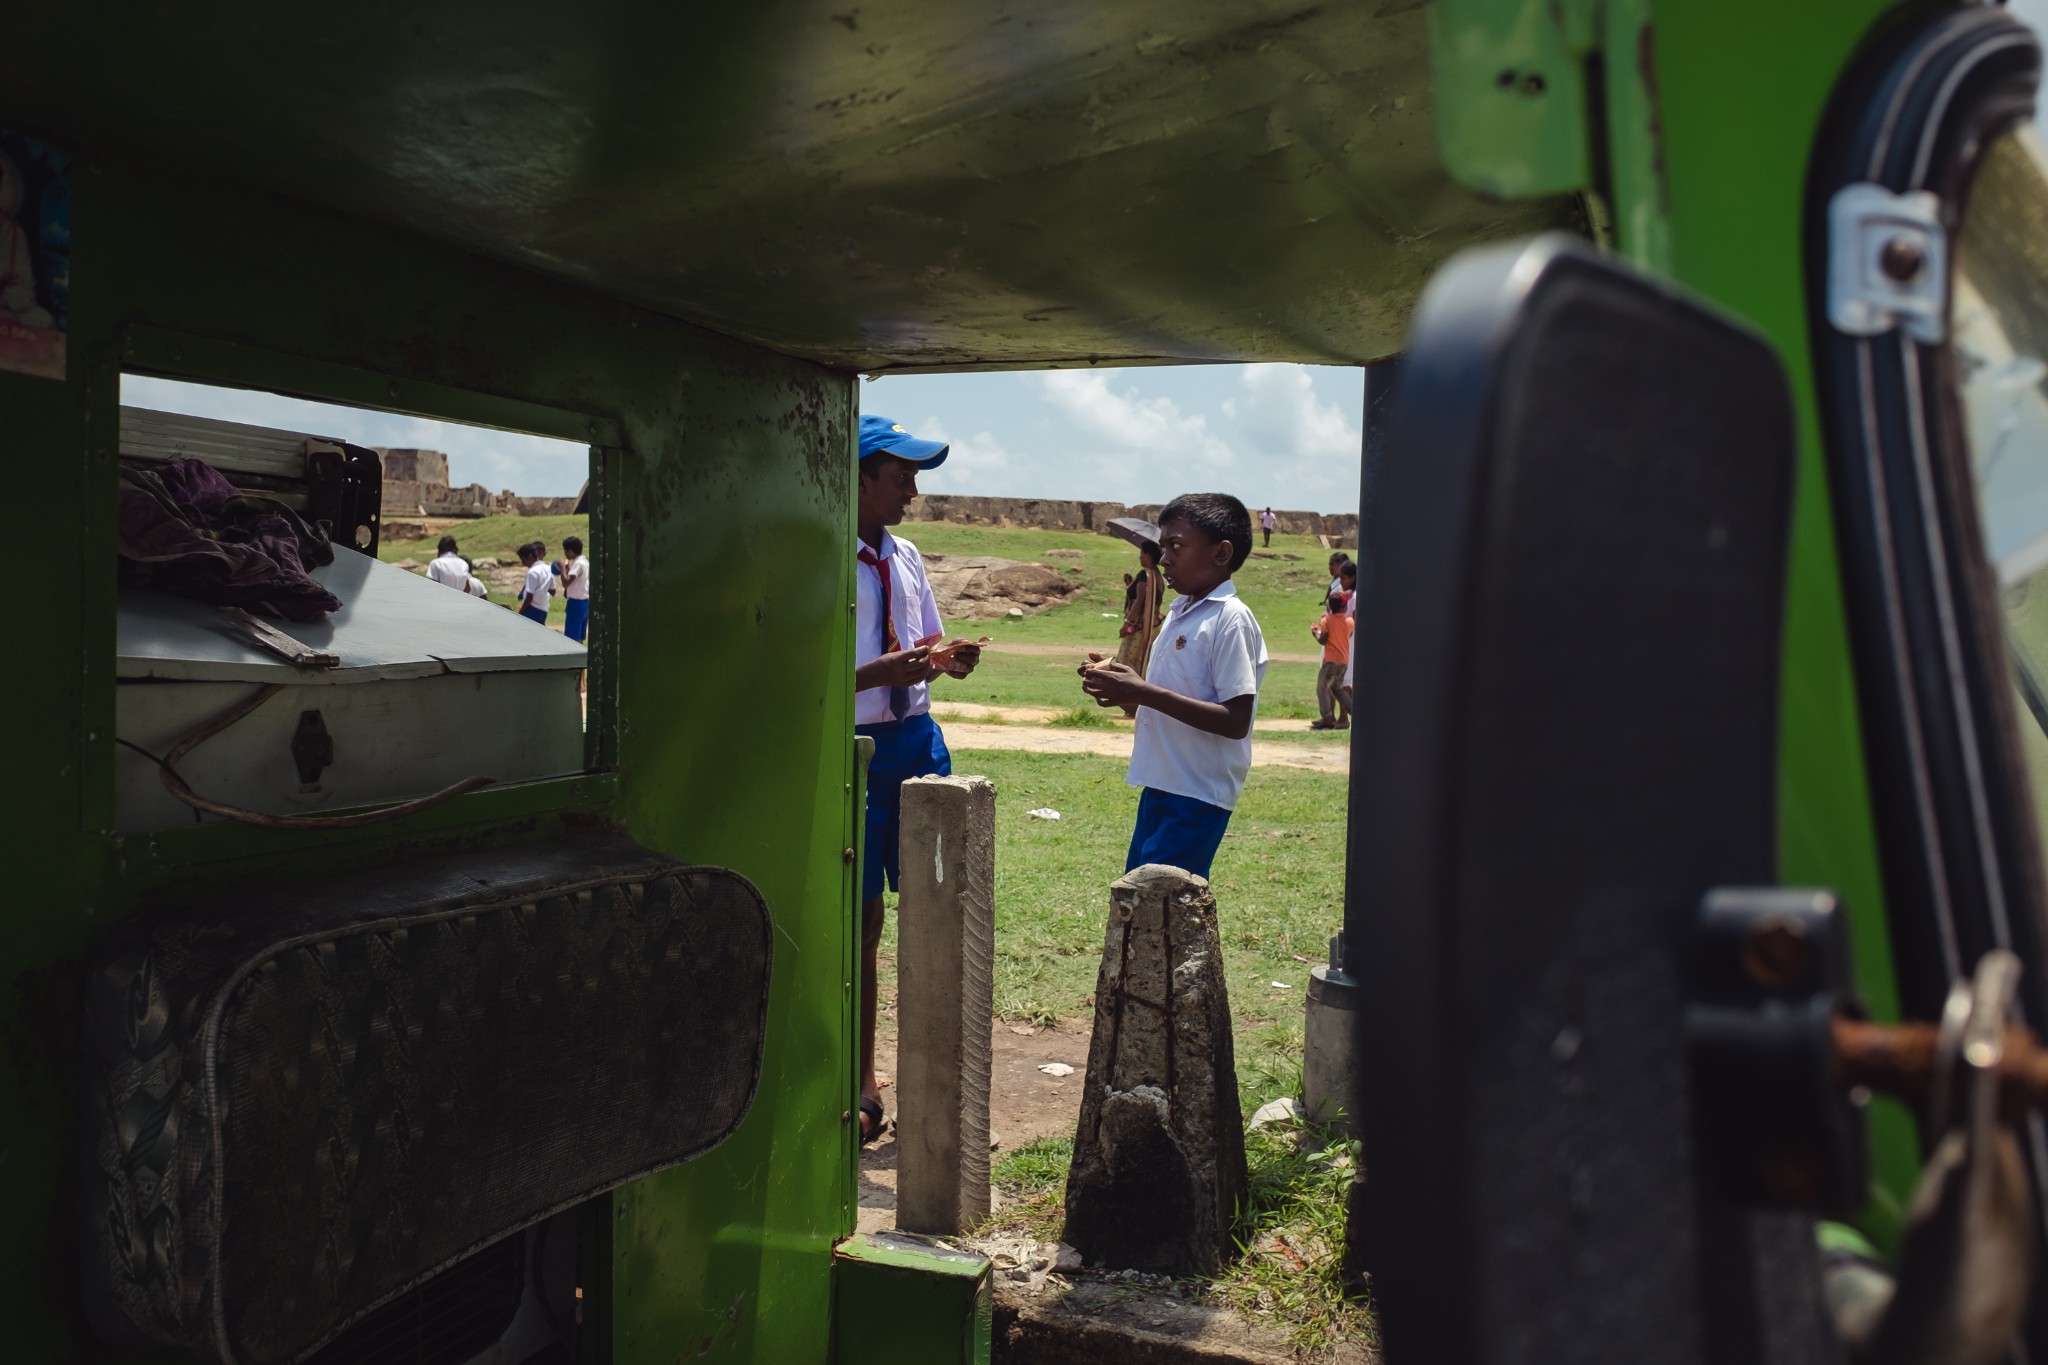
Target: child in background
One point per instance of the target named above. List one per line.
(575, 588)
(1333, 633)
(1196, 699)
(1348, 576)
(452, 570)
(539, 585)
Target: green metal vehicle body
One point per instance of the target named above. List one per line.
(678, 234)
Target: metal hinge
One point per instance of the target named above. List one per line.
(1887, 263)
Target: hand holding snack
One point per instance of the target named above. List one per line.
(1111, 683)
(957, 658)
(900, 668)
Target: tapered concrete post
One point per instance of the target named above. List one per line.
(945, 995)
(1158, 1177)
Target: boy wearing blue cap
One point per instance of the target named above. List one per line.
(896, 625)
(1197, 696)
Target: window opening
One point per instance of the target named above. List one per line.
(298, 642)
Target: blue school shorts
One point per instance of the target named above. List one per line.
(539, 614)
(576, 624)
(912, 747)
(1176, 830)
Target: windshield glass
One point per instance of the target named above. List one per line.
(1999, 333)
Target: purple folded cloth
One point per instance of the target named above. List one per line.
(185, 529)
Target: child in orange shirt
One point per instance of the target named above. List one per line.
(1333, 633)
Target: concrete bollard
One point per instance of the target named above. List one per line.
(945, 995)
(1329, 1027)
(1158, 1176)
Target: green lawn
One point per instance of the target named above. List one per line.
(1049, 680)
(1278, 879)
(492, 538)
(1284, 594)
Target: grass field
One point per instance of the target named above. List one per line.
(1284, 594)
(1278, 879)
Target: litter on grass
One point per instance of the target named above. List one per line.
(1043, 813)
(1279, 985)
(1056, 1068)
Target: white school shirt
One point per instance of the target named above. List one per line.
(1211, 650)
(453, 571)
(916, 616)
(576, 579)
(540, 581)
(1266, 520)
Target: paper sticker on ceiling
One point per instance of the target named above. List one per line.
(35, 254)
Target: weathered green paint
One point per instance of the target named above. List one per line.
(1514, 113)
(723, 493)
(1744, 85)
(871, 186)
(900, 1303)
(1712, 110)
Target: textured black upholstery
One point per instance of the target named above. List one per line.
(300, 1101)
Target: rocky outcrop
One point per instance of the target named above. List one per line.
(980, 587)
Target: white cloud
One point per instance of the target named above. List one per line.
(1283, 401)
(973, 462)
(1139, 425)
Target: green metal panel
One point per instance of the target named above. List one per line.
(902, 1303)
(725, 524)
(1743, 86)
(1711, 110)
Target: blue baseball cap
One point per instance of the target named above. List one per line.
(886, 436)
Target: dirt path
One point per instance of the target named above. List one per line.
(1047, 739)
(1077, 652)
(1024, 1103)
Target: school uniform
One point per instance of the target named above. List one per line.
(540, 581)
(1190, 780)
(893, 610)
(453, 571)
(576, 592)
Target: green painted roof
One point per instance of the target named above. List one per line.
(924, 183)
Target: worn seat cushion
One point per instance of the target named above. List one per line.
(303, 1100)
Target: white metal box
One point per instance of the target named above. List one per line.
(433, 686)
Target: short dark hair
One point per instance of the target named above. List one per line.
(573, 544)
(1219, 517)
(1336, 601)
(447, 545)
(1339, 557)
(872, 464)
(1347, 565)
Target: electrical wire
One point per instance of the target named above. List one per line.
(178, 787)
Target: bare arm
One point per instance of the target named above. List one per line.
(1114, 684)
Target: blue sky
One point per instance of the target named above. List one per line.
(1285, 435)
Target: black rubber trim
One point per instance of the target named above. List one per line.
(1953, 814)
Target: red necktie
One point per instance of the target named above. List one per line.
(899, 697)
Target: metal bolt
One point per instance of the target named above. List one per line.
(1533, 83)
(845, 855)
(1776, 954)
(1902, 259)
